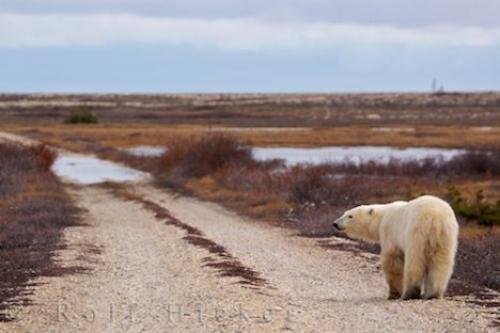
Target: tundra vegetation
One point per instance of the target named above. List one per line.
(34, 211)
(82, 115)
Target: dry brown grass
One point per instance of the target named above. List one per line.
(34, 210)
(474, 232)
(260, 205)
(125, 135)
(478, 256)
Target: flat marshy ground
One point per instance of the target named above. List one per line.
(302, 197)
(270, 110)
(460, 120)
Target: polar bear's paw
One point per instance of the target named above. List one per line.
(393, 294)
(412, 292)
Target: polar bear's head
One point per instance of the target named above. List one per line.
(360, 222)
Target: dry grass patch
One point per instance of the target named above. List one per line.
(34, 211)
(257, 205)
(125, 135)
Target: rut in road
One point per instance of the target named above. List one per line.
(224, 262)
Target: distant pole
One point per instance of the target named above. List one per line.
(434, 85)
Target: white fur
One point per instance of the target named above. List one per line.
(418, 242)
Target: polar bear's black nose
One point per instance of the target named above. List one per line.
(337, 224)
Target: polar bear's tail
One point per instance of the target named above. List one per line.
(440, 255)
(430, 257)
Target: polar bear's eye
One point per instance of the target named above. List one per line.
(350, 216)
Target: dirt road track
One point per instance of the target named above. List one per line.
(146, 277)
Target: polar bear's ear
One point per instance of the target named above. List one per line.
(370, 211)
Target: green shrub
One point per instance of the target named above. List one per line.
(483, 212)
(82, 115)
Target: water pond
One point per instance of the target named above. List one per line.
(355, 154)
(146, 151)
(87, 170)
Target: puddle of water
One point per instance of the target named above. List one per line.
(146, 151)
(260, 129)
(483, 128)
(91, 170)
(358, 154)
(393, 129)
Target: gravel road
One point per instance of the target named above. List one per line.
(159, 262)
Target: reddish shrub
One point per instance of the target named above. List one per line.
(395, 167)
(309, 184)
(475, 163)
(262, 177)
(467, 164)
(44, 156)
(17, 158)
(199, 156)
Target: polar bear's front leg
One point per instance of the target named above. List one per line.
(393, 264)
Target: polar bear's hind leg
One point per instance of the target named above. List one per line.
(441, 248)
(438, 274)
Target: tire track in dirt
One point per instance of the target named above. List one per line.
(224, 262)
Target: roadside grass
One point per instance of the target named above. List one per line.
(34, 210)
(478, 255)
(261, 205)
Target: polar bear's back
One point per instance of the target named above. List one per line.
(430, 203)
(428, 207)
(430, 221)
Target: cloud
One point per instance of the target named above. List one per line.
(49, 30)
(397, 12)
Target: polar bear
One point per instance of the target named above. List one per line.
(418, 240)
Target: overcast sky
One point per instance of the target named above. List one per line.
(255, 46)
